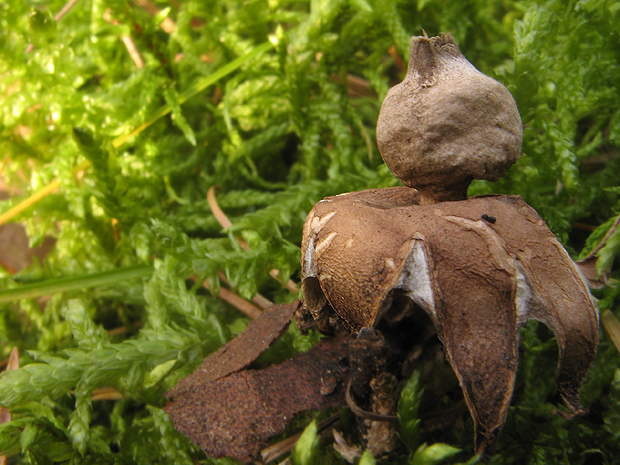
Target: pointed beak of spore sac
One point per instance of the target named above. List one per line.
(426, 59)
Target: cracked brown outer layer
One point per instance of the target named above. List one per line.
(491, 263)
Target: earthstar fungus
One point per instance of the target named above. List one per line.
(479, 267)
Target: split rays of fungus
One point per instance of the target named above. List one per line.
(479, 281)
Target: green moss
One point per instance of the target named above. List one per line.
(251, 96)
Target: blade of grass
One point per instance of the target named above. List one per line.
(197, 87)
(54, 286)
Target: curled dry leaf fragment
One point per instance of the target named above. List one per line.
(226, 408)
(238, 414)
(447, 123)
(241, 351)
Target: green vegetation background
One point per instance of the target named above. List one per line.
(257, 99)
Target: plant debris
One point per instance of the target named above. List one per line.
(231, 411)
(241, 351)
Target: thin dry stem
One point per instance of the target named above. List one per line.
(262, 301)
(133, 52)
(127, 40)
(167, 24)
(221, 217)
(238, 302)
(258, 299)
(366, 415)
(397, 59)
(65, 9)
(276, 451)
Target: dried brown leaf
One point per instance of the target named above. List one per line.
(236, 415)
(242, 350)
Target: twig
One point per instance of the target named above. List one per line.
(130, 45)
(167, 24)
(238, 302)
(359, 87)
(133, 51)
(397, 59)
(258, 299)
(65, 9)
(221, 217)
